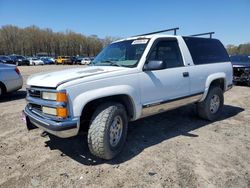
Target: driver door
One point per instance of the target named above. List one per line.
(168, 84)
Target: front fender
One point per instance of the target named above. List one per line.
(210, 79)
(81, 100)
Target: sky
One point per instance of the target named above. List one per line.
(229, 19)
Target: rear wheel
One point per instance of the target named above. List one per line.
(108, 130)
(211, 107)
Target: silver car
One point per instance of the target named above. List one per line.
(10, 79)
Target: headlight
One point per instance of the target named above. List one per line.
(55, 96)
(59, 111)
(50, 111)
(49, 96)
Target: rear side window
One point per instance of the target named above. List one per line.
(205, 51)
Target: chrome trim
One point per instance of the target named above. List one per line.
(159, 107)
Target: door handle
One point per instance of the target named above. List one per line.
(185, 74)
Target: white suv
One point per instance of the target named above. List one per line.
(130, 79)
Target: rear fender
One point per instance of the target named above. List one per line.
(210, 79)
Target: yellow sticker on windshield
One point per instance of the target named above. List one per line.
(140, 41)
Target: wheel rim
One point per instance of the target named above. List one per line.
(214, 104)
(115, 132)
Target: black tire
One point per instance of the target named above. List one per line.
(1, 91)
(99, 139)
(205, 108)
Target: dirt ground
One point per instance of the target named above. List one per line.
(173, 149)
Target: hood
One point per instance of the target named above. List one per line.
(54, 79)
(241, 64)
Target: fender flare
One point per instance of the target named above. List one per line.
(210, 79)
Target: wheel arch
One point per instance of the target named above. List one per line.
(90, 107)
(216, 80)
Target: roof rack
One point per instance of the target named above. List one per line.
(201, 34)
(161, 31)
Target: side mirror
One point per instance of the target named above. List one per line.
(154, 65)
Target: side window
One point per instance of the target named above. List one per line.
(167, 51)
(205, 51)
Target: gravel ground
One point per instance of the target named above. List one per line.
(173, 149)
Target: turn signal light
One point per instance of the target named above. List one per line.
(62, 112)
(61, 97)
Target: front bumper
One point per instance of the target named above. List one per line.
(62, 129)
(242, 78)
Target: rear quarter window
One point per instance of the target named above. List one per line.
(205, 51)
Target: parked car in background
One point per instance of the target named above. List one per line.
(78, 59)
(241, 68)
(35, 61)
(85, 61)
(73, 59)
(5, 59)
(48, 60)
(10, 79)
(20, 60)
(63, 60)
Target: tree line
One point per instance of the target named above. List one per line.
(33, 40)
(242, 49)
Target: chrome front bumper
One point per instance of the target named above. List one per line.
(62, 129)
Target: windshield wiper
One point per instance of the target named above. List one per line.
(113, 63)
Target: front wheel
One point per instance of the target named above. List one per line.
(211, 107)
(108, 130)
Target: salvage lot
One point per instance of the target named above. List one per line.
(174, 149)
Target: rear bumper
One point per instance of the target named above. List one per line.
(62, 129)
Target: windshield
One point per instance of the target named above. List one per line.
(125, 53)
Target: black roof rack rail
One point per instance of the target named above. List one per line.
(201, 34)
(161, 31)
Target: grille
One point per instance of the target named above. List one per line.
(34, 93)
(238, 71)
(35, 107)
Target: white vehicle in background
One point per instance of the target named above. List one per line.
(10, 79)
(85, 61)
(130, 79)
(35, 61)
